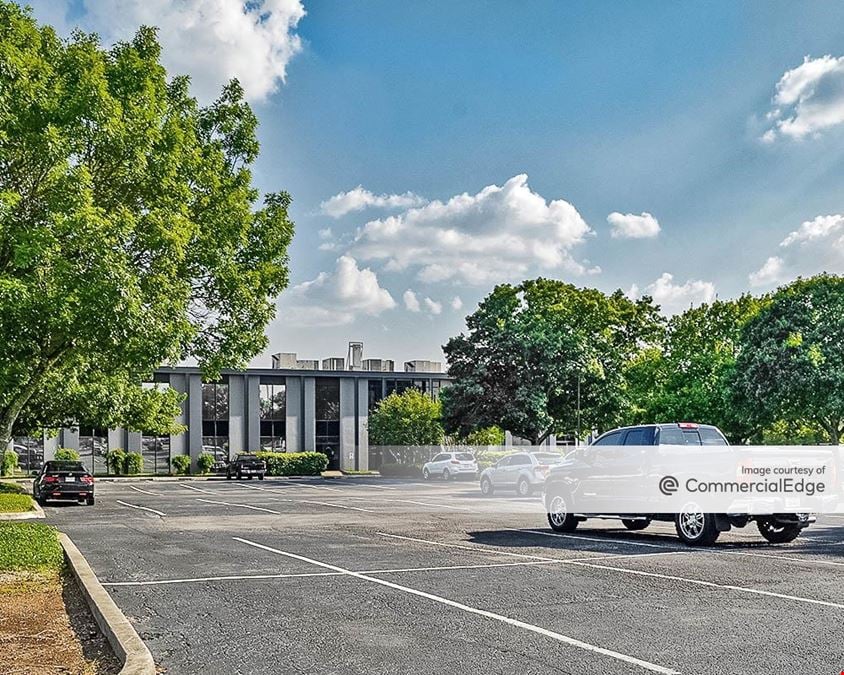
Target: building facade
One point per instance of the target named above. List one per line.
(290, 409)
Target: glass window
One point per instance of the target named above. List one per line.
(692, 437)
(711, 436)
(215, 401)
(636, 437)
(610, 439)
(156, 454)
(374, 389)
(93, 446)
(548, 457)
(520, 460)
(465, 456)
(328, 419)
(671, 436)
(273, 401)
(30, 452)
(440, 458)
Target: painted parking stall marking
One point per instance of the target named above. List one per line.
(140, 508)
(647, 665)
(242, 506)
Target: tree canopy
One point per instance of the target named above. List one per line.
(130, 232)
(527, 351)
(409, 418)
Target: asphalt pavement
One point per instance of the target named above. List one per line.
(363, 575)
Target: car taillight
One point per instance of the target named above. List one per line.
(88, 480)
(51, 479)
(454, 461)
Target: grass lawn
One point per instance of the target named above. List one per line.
(29, 547)
(15, 503)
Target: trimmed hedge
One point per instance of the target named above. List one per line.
(29, 546)
(15, 503)
(396, 470)
(9, 463)
(134, 463)
(181, 464)
(66, 455)
(204, 462)
(116, 461)
(294, 463)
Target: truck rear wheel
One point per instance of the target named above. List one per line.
(696, 529)
(560, 518)
(632, 524)
(778, 533)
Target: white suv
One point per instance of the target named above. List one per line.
(523, 472)
(448, 465)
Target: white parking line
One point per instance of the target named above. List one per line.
(142, 508)
(336, 506)
(196, 489)
(711, 584)
(473, 610)
(605, 540)
(146, 492)
(410, 501)
(242, 506)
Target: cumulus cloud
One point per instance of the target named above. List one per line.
(769, 273)
(359, 199)
(213, 41)
(411, 302)
(337, 298)
(816, 246)
(498, 233)
(673, 297)
(808, 99)
(456, 303)
(433, 307)
(631, 226)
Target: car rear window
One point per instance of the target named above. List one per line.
(65, 466)
(465, 456)
(548, 457)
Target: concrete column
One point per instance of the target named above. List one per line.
(253, 413)
(237, 408)
(363, 425)
(133, 441)
(194, 409)
(178, 442)
(293, 421)
(347, 423)
(116, 438)
(309, 423)
(70, 439)
(51, 444)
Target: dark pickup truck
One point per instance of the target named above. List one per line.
(246, 466)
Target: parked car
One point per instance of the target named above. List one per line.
(67, 481)
(695, 529)
(523, 472)
(448, 465)
(248, 466)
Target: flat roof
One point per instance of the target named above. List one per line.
(298, 372)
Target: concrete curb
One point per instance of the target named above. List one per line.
(124, 640)
(37, 512)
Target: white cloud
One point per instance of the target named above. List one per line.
(433, 307)
(816, 246)
(411, 302)
(674, 298)
(631, 226)
(808, 99)
(359, 199)
(456, 303)
(213, 41)
(769, 273)
(326, 233)
(336, 298)
(499, 233)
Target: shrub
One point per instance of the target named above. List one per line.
(15, 503)
(486, 458)
(409, 418)
(116, 461)
(133, 464)
(396, 470)
(204, 462)
(294, 463)
(181, 464)
(67, 455)
(485, 436)
(29, 546)
(12, 489)
(9, 463)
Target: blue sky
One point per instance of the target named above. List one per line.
(703, 115)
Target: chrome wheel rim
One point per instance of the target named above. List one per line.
(485, 487)
(691, 525)
(557, 510)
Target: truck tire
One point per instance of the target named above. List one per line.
(634, 525)
(696, 529)
(777, 533)
(557, 507)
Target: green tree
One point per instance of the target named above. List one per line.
(528, 351)
(486, 436)
(130, 232)
(690, 378)
(791, 363)
(409, 418)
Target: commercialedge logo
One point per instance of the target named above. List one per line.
(776, 486)
(668, 485)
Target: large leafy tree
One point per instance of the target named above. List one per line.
(791, 361)
(409, 418)
(130, 232)
(691, 376)
(528, 349)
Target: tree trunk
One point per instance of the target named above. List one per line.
(9, 415)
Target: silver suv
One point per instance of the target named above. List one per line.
(448, 465)
(523, 472)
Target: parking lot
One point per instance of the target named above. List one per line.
(362, 575)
